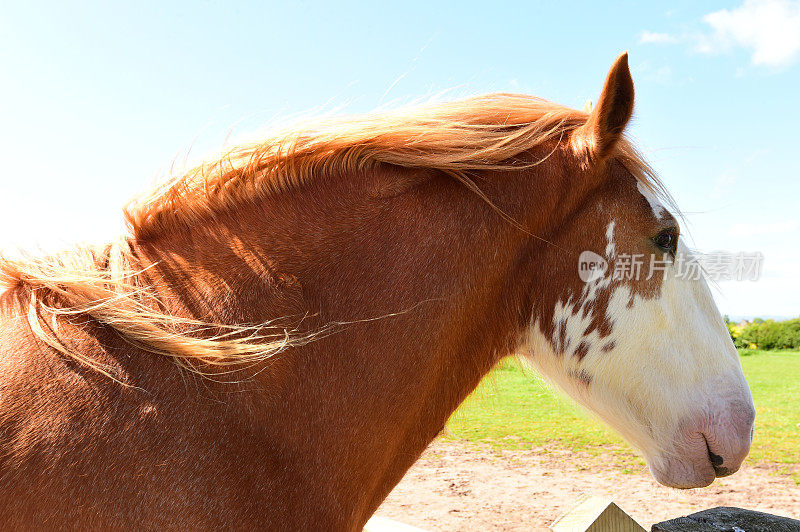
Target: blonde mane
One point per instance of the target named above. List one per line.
(480, 133)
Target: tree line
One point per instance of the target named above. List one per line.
(765, 334)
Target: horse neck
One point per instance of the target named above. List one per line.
(420, 314)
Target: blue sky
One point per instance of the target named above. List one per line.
(99, 100)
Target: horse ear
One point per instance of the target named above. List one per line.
(614, 108)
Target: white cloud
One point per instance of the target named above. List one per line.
(770, 29)
(658, 38)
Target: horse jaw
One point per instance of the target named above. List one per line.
(666, 376)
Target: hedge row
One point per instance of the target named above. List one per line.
(766, 334)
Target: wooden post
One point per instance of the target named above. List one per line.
(594, 514)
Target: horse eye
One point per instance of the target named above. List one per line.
(667, 240)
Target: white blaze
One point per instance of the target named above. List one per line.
(610, 246)
(658, 209)
(668, 360)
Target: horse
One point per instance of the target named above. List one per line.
(285, 328)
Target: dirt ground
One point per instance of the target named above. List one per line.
(464, 486)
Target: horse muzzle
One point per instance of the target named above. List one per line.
(709, 446)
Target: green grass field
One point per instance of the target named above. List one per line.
(513, 408)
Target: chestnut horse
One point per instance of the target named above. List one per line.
(288, 327)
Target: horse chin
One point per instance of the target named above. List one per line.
(692, 463)
(706, 447)
(683, 473)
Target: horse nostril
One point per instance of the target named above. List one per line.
(721, 471)
(716, 463)
(716, 460)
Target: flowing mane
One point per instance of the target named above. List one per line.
(480, 133)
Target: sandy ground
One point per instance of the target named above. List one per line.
(464, 486)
